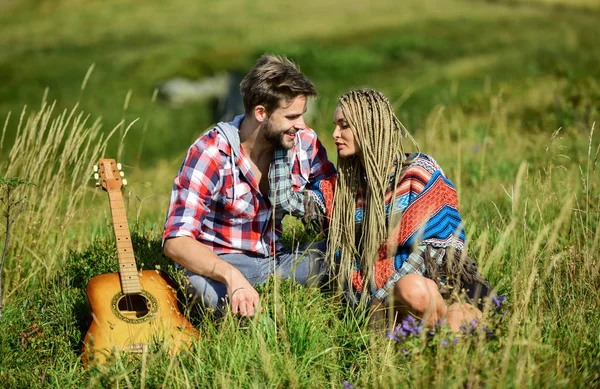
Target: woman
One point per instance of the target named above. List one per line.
(395, 233)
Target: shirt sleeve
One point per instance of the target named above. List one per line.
(281, 193)
(198, 180)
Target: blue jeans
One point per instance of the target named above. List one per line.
(305, 265)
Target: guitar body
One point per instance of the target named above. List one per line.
(130, 323)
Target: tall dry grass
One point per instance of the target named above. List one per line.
(55, 151)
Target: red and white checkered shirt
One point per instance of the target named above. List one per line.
(216, 198)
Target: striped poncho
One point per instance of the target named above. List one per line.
(428, 232)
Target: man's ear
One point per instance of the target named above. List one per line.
(260, 113)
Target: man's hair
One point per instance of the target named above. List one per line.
(274, 78)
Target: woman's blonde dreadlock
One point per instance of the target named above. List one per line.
(379, 133)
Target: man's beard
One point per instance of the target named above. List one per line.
(275, 138)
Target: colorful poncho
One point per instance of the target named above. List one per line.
(430, 227)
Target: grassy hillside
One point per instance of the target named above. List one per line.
(504, 94)
(420, 53)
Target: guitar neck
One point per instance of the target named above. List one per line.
(130, 282)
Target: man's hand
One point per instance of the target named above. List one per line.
(243, 297)
(198, 258)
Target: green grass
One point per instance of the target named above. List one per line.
(483, 86)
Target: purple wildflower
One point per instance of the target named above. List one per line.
(444, 343)
(400, 331)
(408, 324)
(498, 302)
(471, 330)
(391, 335)
(473, 325)
(348, 385)
(455, 341)
(417, 330)
(411, 326)
(406, 327)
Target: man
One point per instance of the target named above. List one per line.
(233, 189)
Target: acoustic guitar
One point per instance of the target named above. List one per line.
(131, 309)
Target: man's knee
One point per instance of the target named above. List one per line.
(207, 292)
(306, 265)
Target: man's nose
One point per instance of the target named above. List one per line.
(300, 123)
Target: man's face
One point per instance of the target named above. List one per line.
(284, 122)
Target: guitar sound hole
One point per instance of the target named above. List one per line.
(134, 306)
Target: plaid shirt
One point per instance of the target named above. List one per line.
(216, 198)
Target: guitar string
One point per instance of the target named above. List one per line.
(129, 305)
(128, 298)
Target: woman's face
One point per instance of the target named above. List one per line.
(343, 136)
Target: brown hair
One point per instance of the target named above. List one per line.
(274, 78)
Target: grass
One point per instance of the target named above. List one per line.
(503, 94)
(536, 247)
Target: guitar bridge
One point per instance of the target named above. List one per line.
(134, 348)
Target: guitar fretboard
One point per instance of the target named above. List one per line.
(130, 281)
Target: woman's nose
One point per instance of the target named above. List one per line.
(336, 133)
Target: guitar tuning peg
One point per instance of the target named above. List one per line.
(95, 168)
(96, 176)
(124, 182)
(122, 174)
(119, 166)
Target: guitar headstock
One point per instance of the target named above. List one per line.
(109, 175)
